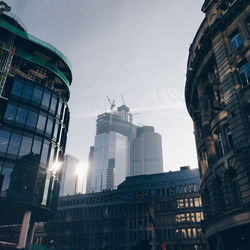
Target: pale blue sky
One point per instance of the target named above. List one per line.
(135, 47)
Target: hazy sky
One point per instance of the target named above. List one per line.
(135, 47)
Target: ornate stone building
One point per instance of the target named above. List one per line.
(218, 100)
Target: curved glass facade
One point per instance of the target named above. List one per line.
(32, 139)
(34, 118)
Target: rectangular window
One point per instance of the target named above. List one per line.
(10, 113)
(46, 99)
(31, 119)
(27, 92)
(14, 145)
(244, 73)
(41, 122)
(46, 191)
(229, 137)
(17, 88)
(56, 131)
(37, 95)
(25, 146)
(6, 176)
(59, 109)
(4, 141)
(197, 202)
(21, 115)
(219, 144)
(235, 39)
(53, 104)
(36, 148)
(49, 126)
(180, 203)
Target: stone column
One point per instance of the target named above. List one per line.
(205, 123)
(24, 230)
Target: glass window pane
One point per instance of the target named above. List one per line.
(45, 152)
(49, 127)
(236, 40)
(21, 115)
(37, 95)
(36, 148)
(59, 109)
(6, 175)
(25, 146)
(31, 119)
(46, 98)
(41, 122)
(17, 88)
(55, 131)
(244, 72)
(52, 152)
(10, 113)
(14, 145)
(46, 191)
(4, 140)
(53, 103)
(27, 91)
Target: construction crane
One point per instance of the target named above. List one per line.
(112, 104)
(8, 51)
(123, 100)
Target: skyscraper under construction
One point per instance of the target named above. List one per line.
(110, 159)
(122, 149)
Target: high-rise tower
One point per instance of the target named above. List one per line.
(71, 179)
(146, 152)
(110, 164)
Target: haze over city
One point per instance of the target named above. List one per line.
(135, 48)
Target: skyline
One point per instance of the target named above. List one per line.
(124, 47)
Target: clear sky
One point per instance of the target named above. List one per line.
(135, 47)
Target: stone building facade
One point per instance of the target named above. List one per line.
(218, 100)
(160, 211)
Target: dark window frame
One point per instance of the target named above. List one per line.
(235, 39)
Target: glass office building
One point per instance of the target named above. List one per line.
(34, 119)
(111, 153)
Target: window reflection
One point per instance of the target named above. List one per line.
(10, 113)
(49, 126)
(46, 99)
(25, 146)
(17, 88)
(36, 148)
(45, 151)
(37, 95)
(14, 145)
(55, 131)
(6, 176)
(41, 122)
(31, 119)
(21, 115)
(27, 92)
(4, 140)
(53, 104)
